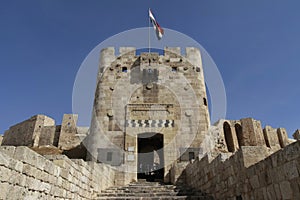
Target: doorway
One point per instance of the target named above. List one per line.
(150, 165)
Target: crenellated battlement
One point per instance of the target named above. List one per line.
(112, 52)
(125, 58)
(233, 134)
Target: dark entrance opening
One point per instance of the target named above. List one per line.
(150, 163)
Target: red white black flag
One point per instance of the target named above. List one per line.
(159, 31)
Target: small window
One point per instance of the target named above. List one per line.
(69, 124)
(204, 101)
(110, 123)
(109, 156)
(124, 69)
(191, 155)
(174, 69)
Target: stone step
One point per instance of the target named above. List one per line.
(140, 192)
(147, 187)
(148, 194)
(158, 198)
(152, 191)
(145, 190)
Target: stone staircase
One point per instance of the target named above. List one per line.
(152, 191)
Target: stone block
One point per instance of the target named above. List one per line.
(253, 154)
(30, 170)
(65, 184)
(47, 136)
(42, 175)
(286, 190)
(61, 163)
(40, 162)
(59, 181)
(34, 195)
(17, 178)
(254, 182)
(292, 151)
(44, 187)
(9, 150)
(252, 134)
(291, 170)
(49, 167)
(4, 189)
(32, 183)
(295, 184)
(127, 51)
(263, 178)
(5, 174)
(65, 174)
(296, 134)
(26, 155)
(271, 192)
(16, 192)
(52, 180)
(282, 137)
(57, 171)
(4, 159)
(16, 165)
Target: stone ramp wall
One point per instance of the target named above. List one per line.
(24, 174)
(250, 173)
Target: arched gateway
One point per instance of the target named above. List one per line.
(148, 111)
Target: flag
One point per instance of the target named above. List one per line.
(158, 30)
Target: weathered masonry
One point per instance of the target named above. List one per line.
(148, 109)
(150, 121)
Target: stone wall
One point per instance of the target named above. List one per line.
(232, 134)
(253, 172)
(1, 138)
(25, 174)
(40, 131)
(68, 132)
(296, 135)
(28, 132)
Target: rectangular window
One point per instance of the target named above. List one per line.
(191, 155)
(204, 101)
(124, 69)
(110, 123)
(109, 156)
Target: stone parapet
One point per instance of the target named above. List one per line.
(25, 174)
(250, 173)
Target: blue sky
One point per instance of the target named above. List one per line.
(255, 45)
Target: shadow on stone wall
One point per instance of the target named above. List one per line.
(253, 172)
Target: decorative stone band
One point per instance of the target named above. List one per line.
(150, 123)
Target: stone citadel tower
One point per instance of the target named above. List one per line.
(150, 121)
(148, 108)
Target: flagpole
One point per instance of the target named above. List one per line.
(149, 31)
